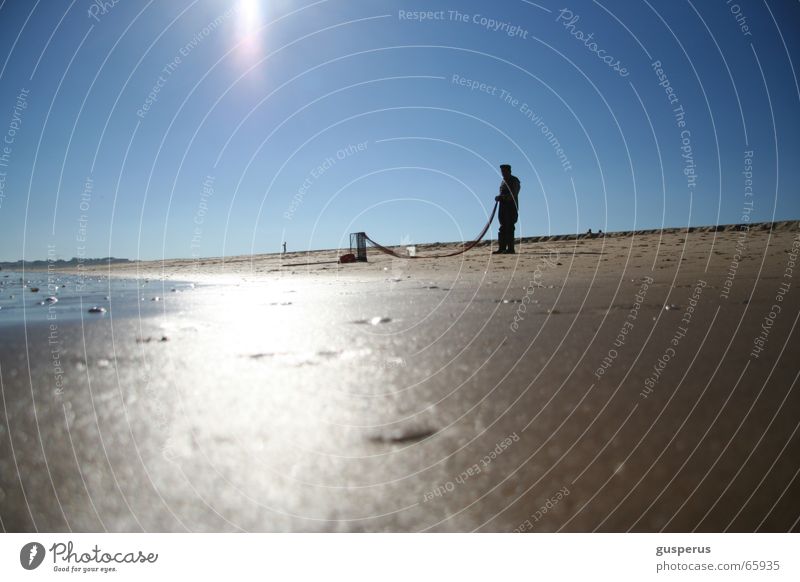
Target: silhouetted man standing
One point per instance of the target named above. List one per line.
(508, 211)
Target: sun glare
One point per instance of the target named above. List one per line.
(249, 15)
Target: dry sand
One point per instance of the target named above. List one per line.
(640, 381)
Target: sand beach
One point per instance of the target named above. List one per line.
(639, 381)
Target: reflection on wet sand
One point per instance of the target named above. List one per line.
(346, 398)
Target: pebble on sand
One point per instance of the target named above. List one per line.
(377, 320)
(402, 435)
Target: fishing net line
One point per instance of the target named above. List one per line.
(464, 249)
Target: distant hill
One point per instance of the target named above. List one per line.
(60, 263)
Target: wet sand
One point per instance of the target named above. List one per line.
(640, 382)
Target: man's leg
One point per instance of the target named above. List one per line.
(510, 239)
(501, 239)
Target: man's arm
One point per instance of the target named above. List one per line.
(506, 189)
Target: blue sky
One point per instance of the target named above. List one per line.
(305, 121)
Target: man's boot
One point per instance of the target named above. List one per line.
(501, 244)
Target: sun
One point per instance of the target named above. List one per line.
(249, 22)
(249, 12)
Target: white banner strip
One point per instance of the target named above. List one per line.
(400, 557)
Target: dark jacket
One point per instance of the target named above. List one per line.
(509, 199)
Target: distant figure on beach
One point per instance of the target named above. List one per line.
(589, 233)
(508, 211)
(284, 247)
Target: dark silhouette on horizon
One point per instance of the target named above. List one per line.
(508, 212)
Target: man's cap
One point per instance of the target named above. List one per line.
(505, 166)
